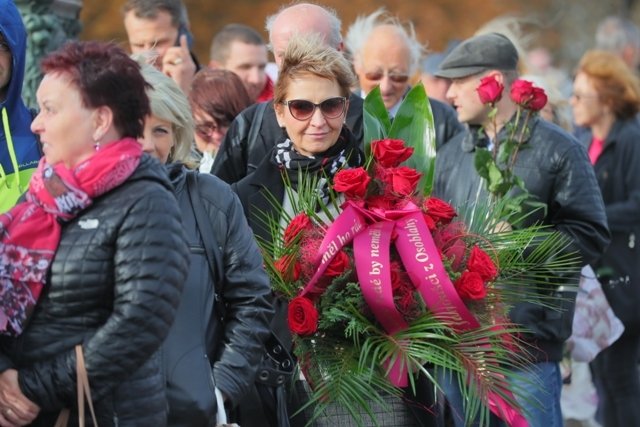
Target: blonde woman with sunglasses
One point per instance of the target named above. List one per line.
(311, 100)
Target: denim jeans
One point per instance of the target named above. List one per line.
(537, 390)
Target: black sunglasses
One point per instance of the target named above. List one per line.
(301, 109)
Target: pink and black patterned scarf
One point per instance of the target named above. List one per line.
(30, 231)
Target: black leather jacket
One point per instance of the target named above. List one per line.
(237, 157)
(114, 286)
(555, 169)
(237, 351)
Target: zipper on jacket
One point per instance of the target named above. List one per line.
(632, 240)
(12, 151)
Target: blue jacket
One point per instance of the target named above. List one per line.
(19, 147)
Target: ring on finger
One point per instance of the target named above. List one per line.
(177, 61)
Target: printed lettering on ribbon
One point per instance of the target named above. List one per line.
(371, 252)
(422, 262)
(341, 232)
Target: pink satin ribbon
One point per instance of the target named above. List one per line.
(423, 264)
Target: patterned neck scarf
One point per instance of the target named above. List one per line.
(30, 231)
(343, 153)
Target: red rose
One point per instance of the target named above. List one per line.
(455, 251)
(490, 90)
(352, 182)
(481, 263)
(454, 230)
(470, 286)
(298, 224)
(403, 180)
(521, 92)
(287, 267)
(538, 99)
(338, 265)
(439, 210)
(389, 153)
(302, 316)
(429, 221)
(382, 202)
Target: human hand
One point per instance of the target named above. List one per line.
(15, 408)
(177, 64)
(502, 227)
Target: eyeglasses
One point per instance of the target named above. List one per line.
(331, 108)
(394, 77)
(207, 129)
(4, 46)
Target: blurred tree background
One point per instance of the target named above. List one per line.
(566, 27)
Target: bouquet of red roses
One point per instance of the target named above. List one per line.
(385, 279)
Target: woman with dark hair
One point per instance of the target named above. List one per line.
(95, 256)
(606, 100)
(216, 98)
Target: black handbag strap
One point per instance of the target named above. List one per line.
(212, 251)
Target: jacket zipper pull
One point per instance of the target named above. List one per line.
(632, 240)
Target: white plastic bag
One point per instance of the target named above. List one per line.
(221, 416)
(595, 326)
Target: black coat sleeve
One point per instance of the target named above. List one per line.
(246, 292)
(150, 266)
(230, 164)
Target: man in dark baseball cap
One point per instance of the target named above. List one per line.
(556, 171)
(478, 54)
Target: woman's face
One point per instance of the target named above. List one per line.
(317, 133)
(208, 133)
(585, 102)
(158, 138)
(67, 129)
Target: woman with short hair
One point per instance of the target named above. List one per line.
(606, 100)
(96, 254)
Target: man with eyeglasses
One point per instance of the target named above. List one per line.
(386, 54)
(19, 147)
(160, 30)
(255, 131)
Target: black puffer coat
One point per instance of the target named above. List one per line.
(114, 286)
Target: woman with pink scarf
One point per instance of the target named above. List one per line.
(95, 254)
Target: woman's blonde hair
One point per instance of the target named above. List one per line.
(615, 82)
(310, 55)
(169, 103)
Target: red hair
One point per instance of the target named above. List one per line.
(104, 75)
(220, 94)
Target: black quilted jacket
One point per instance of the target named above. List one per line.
(114, 286)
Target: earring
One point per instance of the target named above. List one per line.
(96, 144)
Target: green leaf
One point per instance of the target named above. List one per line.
(505, 151)
(481, 160)
(376, 119)
(495, 177)
(413, 123)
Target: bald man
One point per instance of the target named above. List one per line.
(387, 54)
(255, 131)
